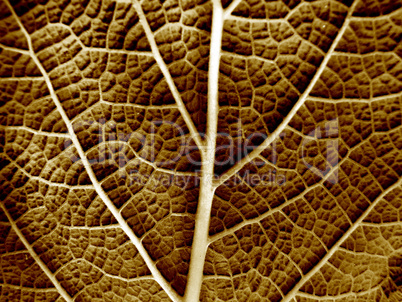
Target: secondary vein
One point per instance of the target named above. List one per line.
(35, 256)
(274, 135)
(98, 188)
(291, 294)
(165, 71)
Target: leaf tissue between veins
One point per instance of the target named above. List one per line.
(201, 150)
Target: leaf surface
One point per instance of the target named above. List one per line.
(201, 150)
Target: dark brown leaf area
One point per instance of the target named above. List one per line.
(316, 216)
(182, 34)
(266, 67)
(21, 278)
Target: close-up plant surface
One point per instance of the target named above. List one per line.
(195, 150)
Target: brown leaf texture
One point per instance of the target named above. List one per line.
(201, 150)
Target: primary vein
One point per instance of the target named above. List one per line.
(207, 189)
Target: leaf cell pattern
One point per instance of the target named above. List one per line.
(201, 150)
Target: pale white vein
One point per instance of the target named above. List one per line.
(291, 294)
(37, 132)
(274, 135)
(35, 256)
(165, 70)
(99, 190)
(339, 296)
(207, 190)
